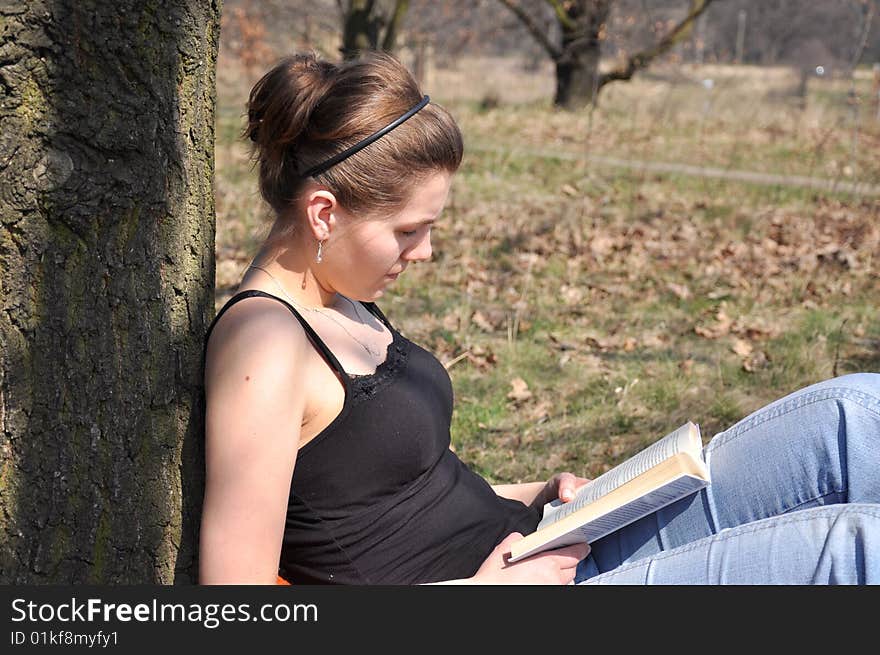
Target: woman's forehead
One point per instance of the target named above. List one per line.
(431, 193)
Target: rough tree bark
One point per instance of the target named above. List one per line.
(107, 273)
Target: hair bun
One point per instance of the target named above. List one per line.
(283, 100)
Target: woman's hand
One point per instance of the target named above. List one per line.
(563, 486)
(556, 566)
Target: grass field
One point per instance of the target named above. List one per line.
(583, 311)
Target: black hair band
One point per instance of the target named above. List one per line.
(360, 145)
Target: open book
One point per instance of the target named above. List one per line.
(665, 471)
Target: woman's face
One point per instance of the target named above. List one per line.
(364, 255)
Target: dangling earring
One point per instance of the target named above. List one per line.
(320, 256)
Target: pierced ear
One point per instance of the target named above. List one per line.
(319, 213)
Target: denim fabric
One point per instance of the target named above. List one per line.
(794, 499)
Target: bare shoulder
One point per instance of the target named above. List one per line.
(257, 334)
(253, 407)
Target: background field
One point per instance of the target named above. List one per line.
(584, 309)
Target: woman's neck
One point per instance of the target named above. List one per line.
(291, 269)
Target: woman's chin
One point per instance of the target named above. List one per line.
(368, 296)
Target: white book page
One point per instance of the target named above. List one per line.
(657, 452)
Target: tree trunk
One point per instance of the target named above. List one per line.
(107, 259)
(577, 68)
(362, 24)
(577, 76)
(360, 30)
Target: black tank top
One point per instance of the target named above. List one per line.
(378, 497)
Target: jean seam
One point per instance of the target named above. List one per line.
(861, 398)
(795, 508)
(729, 533)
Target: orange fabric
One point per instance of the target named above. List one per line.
(281, 580)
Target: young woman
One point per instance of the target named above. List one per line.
(327, 431)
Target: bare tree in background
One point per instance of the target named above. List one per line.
(582, 26)
(370, 25)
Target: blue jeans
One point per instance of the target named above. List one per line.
(794, 499)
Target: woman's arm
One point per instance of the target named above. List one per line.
(525, 492)
(536, 494)
(253, 419)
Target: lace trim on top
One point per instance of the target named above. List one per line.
(366, 386)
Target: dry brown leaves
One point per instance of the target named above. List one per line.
(572, 256)
(835, 238)
(528, 406)
(519, 392)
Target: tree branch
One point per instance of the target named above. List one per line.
(561, 15)
(534, 28)
(642, 59)
(397, 15)
(869, 16)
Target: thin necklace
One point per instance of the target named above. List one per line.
(371, 351)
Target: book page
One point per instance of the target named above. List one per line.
(672, 443)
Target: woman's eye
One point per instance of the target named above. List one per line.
(428, 227)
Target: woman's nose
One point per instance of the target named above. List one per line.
(422, 250)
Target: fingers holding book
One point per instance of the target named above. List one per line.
(553, 567)
(562, 486)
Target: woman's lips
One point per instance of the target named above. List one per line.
(393, 276)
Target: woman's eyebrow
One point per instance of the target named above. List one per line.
(429, 219)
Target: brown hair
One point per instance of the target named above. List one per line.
(304, 111)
